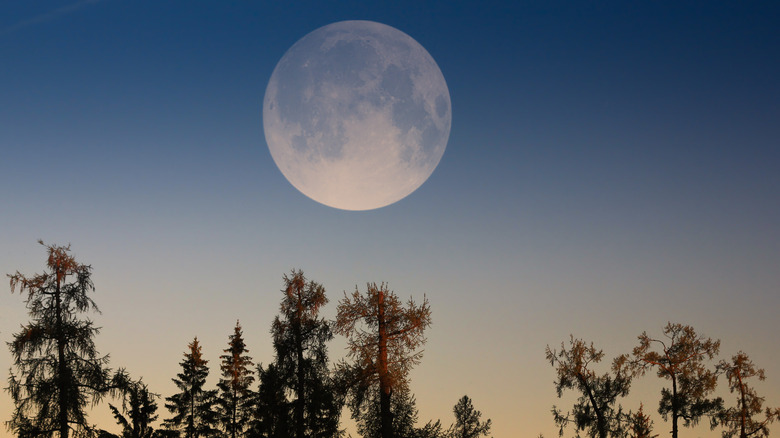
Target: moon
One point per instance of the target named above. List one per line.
(357, 115)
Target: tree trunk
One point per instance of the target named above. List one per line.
(300, 402)
(62, 368)
(675, 407)
(385, 416)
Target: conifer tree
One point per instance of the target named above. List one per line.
(641, 425)
(467, 423)
(595, 410)
(235, 395)
(680, 359)
(272, 418)
(300, 336)
(740, 420)
(139, 411)
(193, 407)
(59, 369)
(383, 338)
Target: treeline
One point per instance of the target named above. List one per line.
(686, 361)
(59, 373)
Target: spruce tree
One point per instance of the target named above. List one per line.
(235, 395)
(193, 407)
(300, 338)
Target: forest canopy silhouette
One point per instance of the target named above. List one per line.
(57, 374)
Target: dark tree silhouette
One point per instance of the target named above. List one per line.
(192, 408)
(680, 358)
(272, 418)
(300, 336)
(739, 420)
(595, 410)
(139, 411)
(235, 396)
(404, 408)
(59, 369)
(467, 423)
(641, 425)
(383, 338)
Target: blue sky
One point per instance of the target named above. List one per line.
(610, 167)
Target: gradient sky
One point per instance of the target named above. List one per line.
(611, 166)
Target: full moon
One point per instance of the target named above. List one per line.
(357, 115)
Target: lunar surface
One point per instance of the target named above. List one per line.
(357, 115)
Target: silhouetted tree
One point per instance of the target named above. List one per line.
(272, 418)
(59, 369)
(595, 410)
(739, 420)
(300, 336)
(140, 407)
(467, 423)
(383, 339)
(235, 396)
(641, 425)
(193, 407)
(404, 408)
(680, 358)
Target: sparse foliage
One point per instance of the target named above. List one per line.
(235, 396)
(740, 420)
(59, 369)
(193, 407)
(467, 420)
(680, 358)
(595, 410)
(383, 340)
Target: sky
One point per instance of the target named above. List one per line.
(611, 167)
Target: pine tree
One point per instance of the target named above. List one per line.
(300, 336)
(741, 420)
(467, 423)
(59, 369)
(680, 359)
(383, 339)
(193, 410)
(235, 395)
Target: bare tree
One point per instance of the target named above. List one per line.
(739, 420)
(680, 358)
(383, 339)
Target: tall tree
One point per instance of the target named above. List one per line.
(300, 336)
(193, 407)
(595, 409)
(383, 339)
(467, 423)
(235, 395)
(59, 368)
(680, 358)
(740, 420)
